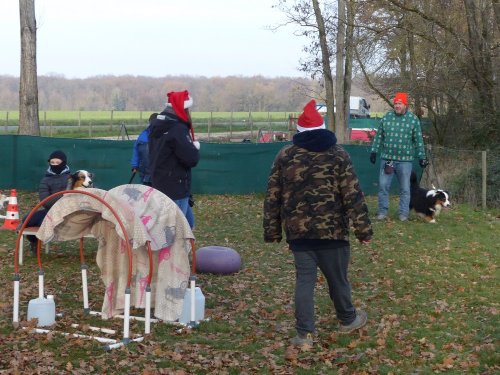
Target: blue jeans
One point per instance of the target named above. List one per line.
(186, 210)
(402, 170)
(333, 263)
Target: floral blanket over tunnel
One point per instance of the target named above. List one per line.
(147, 215)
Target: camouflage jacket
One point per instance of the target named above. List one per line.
(313, 195)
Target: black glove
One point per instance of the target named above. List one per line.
(191, 201)
(423, 163)
(373, 157)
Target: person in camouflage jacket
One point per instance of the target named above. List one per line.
(313, 193)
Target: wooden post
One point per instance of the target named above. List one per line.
(251, 124)
(210, 124)
(485, 169)
(231, 126)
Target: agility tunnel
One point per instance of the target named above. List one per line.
(144, 242)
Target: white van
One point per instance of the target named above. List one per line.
(358, 107)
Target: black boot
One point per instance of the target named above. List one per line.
(33, 248)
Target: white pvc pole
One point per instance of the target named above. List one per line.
(40, 284)
(21, 250)
(139, 318)
(120, 344)
(15, 314)
(104, 340)
(96, 329)
(85, 289)
(193, 301)
(147, 325)
(126, 319)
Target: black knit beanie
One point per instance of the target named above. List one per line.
(58, 155)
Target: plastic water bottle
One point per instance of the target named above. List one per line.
(199, 310)
(44, 309)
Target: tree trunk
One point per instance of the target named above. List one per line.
(496, 10)
(28, 89)
(482, 72)
(325, 60)
(342, 109)
(349, 51)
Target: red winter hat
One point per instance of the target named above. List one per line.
(179, 101)
(401, 96)
(310, 119)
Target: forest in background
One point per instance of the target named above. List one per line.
(140, 93)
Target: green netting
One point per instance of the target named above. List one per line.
(363, 123)
(233, 168)
(372, 123)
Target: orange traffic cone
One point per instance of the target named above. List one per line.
(12, 216)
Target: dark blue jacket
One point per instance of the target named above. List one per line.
(171, 155)
(52, 183)
(140, 156)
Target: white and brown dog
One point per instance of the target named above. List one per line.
(427, 203)
(80, 178)
(3, 201)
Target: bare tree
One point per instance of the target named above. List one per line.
(447, 58)
(28, 89)
(343, 59)
(325, 63)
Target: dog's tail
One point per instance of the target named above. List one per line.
(413, 179)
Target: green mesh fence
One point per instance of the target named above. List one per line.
(232, 168)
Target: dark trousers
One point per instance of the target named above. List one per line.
(35, 221)
(333, 263)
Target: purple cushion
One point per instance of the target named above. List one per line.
(217, 259)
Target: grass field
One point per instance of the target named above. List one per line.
(95, 124)
(135, 117)
(431, 292)
(92, 124)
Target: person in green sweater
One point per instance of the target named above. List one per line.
(398, 140)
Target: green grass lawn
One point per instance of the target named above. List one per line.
(430, 290)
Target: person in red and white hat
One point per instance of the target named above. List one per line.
(173, 151)
(313, 193)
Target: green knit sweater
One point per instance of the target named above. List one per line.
(399, 137)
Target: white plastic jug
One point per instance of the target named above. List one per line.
(44, 309)
(199, 309)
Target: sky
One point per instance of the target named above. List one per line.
(79, 39)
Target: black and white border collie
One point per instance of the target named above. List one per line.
(80, 178)
(427, 203)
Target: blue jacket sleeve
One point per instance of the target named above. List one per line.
(134, 162)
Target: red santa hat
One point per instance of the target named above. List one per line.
(310, 119)
(180, 101)
(401, 97)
